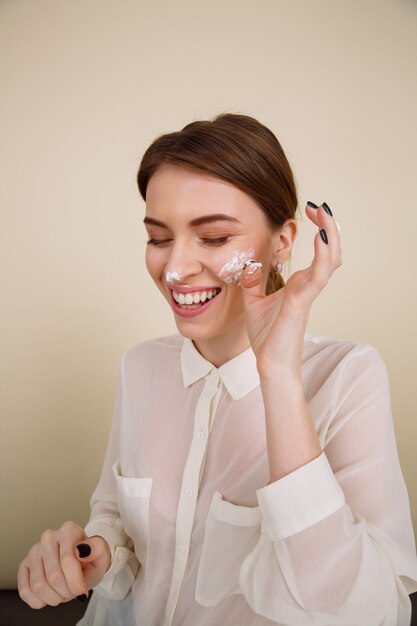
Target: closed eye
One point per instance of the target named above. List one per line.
(211, 242)
(216, 242)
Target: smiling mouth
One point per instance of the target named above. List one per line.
(194, 300)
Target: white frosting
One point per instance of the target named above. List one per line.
(232, 270)
(171, 276)
(253, 266)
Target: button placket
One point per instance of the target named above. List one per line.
(206, 406)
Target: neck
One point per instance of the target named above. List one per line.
(220, 349)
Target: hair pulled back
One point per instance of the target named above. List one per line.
(235, 148)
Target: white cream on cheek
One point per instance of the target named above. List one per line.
(232, 270)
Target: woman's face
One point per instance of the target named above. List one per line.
(191, 256)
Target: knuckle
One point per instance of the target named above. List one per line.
(67, 559)
(70, 526)
(38, 586)
(54, 578)
(47, 535)
(34, 551)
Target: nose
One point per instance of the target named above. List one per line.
(182, 264)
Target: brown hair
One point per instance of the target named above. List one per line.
(235, 148)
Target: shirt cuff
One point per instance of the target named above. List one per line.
(124, 564)
(119, 578)
(110, 528)
(300, 499)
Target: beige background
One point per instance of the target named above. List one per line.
(86, 86)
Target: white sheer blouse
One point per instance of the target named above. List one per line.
(199, 538)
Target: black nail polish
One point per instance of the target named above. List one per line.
(83, 598)
(323, 235)
(84, 550)
(313, 206)
(327, 209)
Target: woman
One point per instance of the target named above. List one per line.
(251, 475)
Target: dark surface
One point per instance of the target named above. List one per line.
(15, 612)
(413, 598)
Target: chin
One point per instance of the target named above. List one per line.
(196, 334)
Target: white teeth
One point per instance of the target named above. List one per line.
(195, 297)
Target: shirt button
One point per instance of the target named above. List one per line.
(188, 493)
(181, 548)
(200, 434)
(213, 373)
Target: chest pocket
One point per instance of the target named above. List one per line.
(133, 497)
(231, 533)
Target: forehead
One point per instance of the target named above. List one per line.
(179, 192)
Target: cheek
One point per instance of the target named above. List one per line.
(152, 262)
(231, 270)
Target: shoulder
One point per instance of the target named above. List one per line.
(316, 346)
(342, 357)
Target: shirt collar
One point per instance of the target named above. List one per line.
(239, 375)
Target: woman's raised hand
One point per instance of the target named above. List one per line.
(276, 323)
(66, 563)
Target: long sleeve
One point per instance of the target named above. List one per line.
(331, 543)
(105, 517)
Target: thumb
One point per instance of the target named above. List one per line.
(92, 549)
(251, 281)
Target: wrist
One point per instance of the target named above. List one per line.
(280, 378)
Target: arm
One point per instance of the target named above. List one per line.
(105, 517)
(332, 541)
(349, 540)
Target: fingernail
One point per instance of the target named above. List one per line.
(313, 206)
(327, 209)
(323, 235)
(82, 598)
(84, 550)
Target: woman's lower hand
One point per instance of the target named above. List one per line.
(276, 323)
(55, 571)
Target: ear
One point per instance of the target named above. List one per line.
(283, 239)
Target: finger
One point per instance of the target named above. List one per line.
(251, 279)
(321, 264)
(53, 572)
(315, 213)
(324, 262)
(332, 233)
(37, 580)
(93, 548)
(25, 592)
(323, 218)
(311, 210)
(96, 563)
(70, 565)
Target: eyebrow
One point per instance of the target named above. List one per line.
(204, 219)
